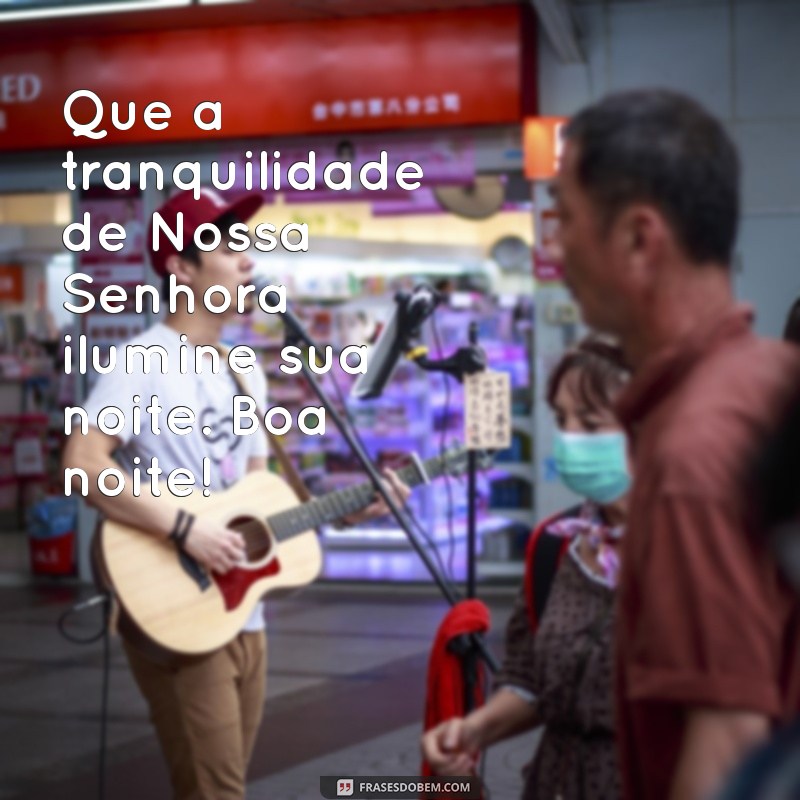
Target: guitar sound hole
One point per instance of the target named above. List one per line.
(256, 537)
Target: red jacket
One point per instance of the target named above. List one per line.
(445, 691)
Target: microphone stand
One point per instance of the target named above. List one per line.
(295, 334)
(465, 361)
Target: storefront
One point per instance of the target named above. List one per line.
(290, 89)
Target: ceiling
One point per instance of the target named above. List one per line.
(242, 13)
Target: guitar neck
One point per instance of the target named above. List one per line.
(341, 503)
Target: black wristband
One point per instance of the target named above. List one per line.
(181, 528)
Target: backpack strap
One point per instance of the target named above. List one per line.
(543, 555)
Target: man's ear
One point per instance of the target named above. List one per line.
(183, 270)
(641, 232)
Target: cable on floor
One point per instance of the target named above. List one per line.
(104, 634)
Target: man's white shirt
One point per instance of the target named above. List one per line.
(209, 395)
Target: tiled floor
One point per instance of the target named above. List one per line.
(14, 553)
(345, 695)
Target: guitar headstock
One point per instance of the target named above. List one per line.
(456, 462)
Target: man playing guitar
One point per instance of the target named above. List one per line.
(206, 708)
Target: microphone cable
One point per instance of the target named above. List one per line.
(450, 513)
(104, 634)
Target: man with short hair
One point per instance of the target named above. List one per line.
(206, 709)
(707, 647)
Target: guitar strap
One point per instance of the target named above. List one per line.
(289, 470)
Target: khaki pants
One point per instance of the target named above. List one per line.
(206, 711)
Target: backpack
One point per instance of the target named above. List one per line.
(543, 555)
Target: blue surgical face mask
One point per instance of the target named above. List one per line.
(593, 465)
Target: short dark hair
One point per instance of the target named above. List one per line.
(602, 369)
(192, 253)
(661, 147)
(345, 147)
(791, 331)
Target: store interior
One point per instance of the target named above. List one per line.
(471, 243)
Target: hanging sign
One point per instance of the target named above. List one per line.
(542, 144)
(422, 70)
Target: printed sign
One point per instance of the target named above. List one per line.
(487, 422)
(403, 71)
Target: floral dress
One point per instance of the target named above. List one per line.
(565, 668)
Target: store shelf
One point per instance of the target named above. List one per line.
(492, 570)
(523, 515)
(524, 423)
(371, 302)
(394, 538)
(516, 469)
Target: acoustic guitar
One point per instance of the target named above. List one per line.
(181, 607)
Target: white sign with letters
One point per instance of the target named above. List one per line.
(487, 396)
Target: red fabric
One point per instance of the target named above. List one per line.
(208, 207)
(445, 690)
(704, 618)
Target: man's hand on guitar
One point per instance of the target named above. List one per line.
(133, 544)
(399, 491)
(216, 547)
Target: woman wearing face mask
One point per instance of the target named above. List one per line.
(557, 669)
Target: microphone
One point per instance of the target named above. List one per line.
(411, 311)
(272, 298)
